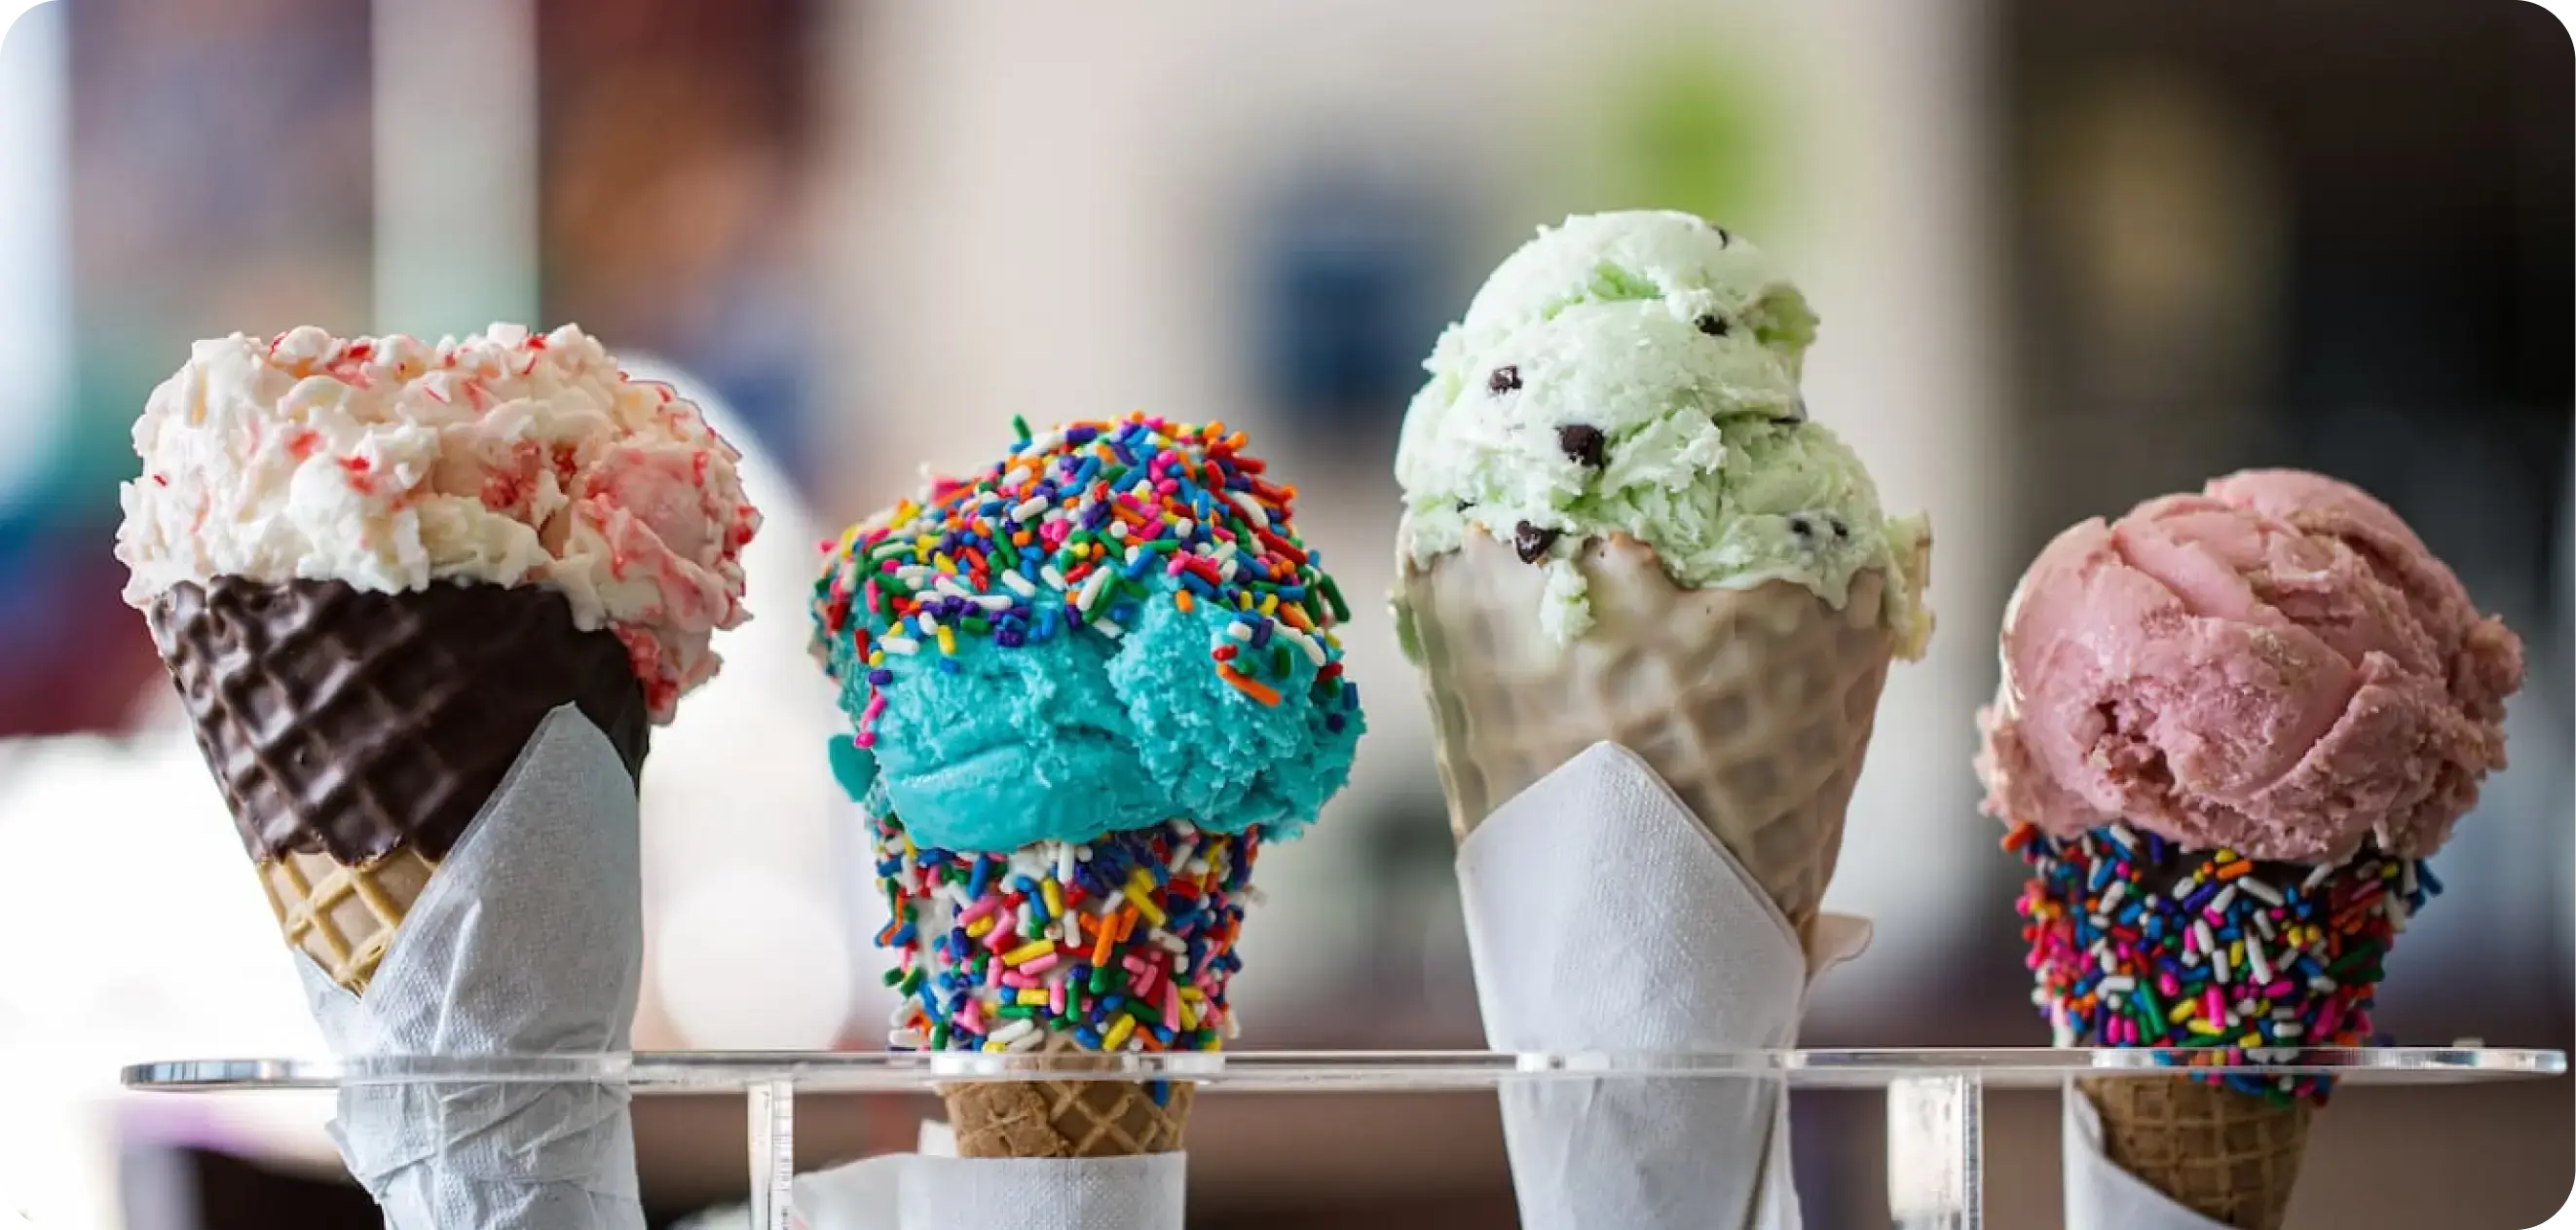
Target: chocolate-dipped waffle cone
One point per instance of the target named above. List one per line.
(1754, 705)
(356, 735)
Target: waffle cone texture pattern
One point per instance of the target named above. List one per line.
(2227, 1156)
(1102, 1118)
(357, 734)
(1754, 705)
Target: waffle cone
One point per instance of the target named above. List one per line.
(1102, 1118)
(2228, 1156)
(356, 735)
(1754, 705)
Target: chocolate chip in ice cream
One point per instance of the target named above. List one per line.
(1802, 526)
(1714, 326)
(1504, 380)
(1582, 442)
(1797, 413)
(1531, 542)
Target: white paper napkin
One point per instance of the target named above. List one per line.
(1602, 917)
(936, 1190)
(529, 939)
(2100, 1195)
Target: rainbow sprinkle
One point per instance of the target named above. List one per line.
(1122, 943)
(2138, 942)
(1076, 528)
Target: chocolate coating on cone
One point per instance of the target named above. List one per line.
(351, 723)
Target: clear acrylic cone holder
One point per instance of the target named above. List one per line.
(1935, 1098)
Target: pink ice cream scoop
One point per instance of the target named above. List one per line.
(2276, 665)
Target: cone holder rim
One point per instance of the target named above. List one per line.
(1345, 1071)
(1935, 1098)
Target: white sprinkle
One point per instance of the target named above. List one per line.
(907, 1040)
(1014, 1031)
(2263, 923)
(902, 1012)
(2121, 834)
(1314, 652)
(1044, 442)
(1029, 1041)
(1028, 508)
(2406, 877)
(2111, 899)
(2200, 931)
(2218, 967)
(1019, 585)
(1082, 853)
(1053, 577)
(1108, 627)
(1231, 566)
(1181, 527)
(899, 644)
(1117, 528)
(1252, 509)
(1239, 632)
(2316, 876)
(1185, 828)
(2260, 891)
(991, 602)
(915, 575)
(2119, 982)
(1091, 587)
(2262, 965)
(2099, 921)
(2102, 956)
(2190, 959)
(1064, 860)
(2225, 898)
(1132, 553)
(1169, 942)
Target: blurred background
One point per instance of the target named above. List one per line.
(2069, 254)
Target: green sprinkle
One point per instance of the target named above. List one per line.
(939, 1036)
(1020, 426)
(893, 976)
(1100, 980)
(1017, 1012)
(976, 624)
(1279, 658)
(1333, 594)
(1143, 1012)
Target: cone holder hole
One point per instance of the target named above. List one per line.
(1935, 1098)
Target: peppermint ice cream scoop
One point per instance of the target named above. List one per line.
(508, 458)
(1636, 374)
(2276, 666)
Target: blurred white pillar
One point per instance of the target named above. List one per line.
(455, 164)
(35, 243)
(1897, 250)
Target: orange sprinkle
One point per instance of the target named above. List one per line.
(1294, 615)
(1108, 937)
(1126, 922)
(1181, 599)
(2230, 871)
(1251, 687)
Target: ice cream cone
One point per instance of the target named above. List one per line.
(356, 734)
(1073, 1118)
(1755, 705)
(2231, 1157)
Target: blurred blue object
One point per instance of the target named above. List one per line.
(1347, 273)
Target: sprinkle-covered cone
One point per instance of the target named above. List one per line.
(2229, 1156)
(1105, 1118)
(357, 734)
(1754, 705)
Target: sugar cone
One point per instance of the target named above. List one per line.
(1104, 1118)
(2229, 1156)
(1754, 705)
(356, 735)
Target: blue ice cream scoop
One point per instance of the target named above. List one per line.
(1112, 627)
